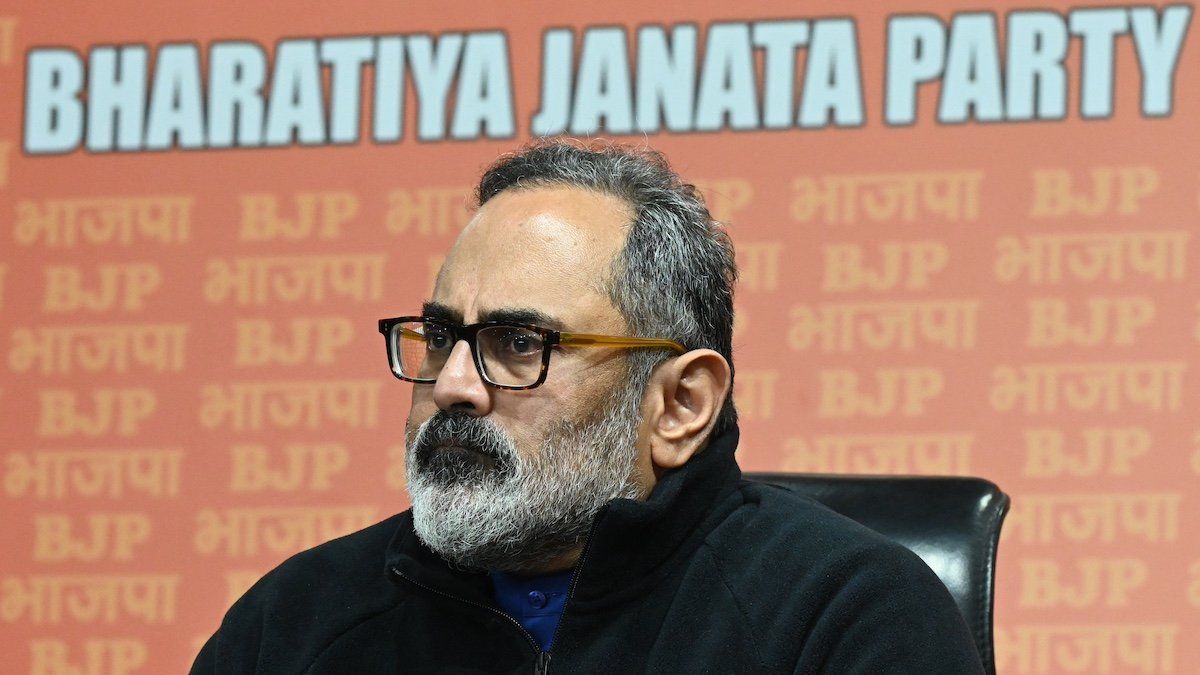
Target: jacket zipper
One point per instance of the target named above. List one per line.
(516, 624)
(544, 666)
(541, 664)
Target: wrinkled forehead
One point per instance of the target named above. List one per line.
(547, 250)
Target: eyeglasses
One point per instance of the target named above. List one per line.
(508, 355)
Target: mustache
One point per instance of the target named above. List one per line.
(493, 451)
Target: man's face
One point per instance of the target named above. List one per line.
(538, 458)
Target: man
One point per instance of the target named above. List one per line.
(576, 502)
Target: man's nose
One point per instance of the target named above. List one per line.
(459, 386)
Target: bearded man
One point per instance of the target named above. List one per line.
(576, 504)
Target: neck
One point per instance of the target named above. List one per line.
(559, 563)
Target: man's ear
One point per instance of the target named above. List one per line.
(682, 402)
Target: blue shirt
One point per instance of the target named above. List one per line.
(535, 602)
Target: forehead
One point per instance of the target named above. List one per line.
(547, 249)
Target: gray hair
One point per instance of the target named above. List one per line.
(674, 276)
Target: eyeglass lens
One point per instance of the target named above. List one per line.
(507, 355)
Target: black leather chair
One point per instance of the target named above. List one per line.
(951, 522)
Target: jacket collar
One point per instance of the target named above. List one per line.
(633, 544)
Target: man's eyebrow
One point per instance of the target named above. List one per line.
(436, 310)
(522, 315)
(526, 315)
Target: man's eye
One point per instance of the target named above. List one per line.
(437, 341)
(521, 344)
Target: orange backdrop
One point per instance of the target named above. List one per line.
(193, 387)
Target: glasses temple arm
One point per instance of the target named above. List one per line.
(587, 340)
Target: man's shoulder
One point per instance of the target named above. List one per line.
(349, 566)
(795, 535)
(771, 513)
(805, 565)
(283, 622)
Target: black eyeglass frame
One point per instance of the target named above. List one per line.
(550, 338)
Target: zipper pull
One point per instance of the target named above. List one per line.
(543, 663)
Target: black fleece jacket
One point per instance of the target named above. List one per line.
(712, 574)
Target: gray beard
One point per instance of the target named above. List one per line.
(506, 511)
